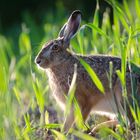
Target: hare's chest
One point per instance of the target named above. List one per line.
(59, 88)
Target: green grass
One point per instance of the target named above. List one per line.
(23, 86)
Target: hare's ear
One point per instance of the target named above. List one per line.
(61, 33)
(71, 27)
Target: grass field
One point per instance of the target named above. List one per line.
(24, 87)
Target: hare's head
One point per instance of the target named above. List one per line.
(54, 52)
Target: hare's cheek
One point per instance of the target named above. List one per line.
(47, 62)
(51, 57)
(54, 55)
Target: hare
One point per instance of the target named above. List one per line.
(58, 62)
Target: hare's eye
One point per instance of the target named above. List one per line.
(55, 47)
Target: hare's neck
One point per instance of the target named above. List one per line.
(61, 75)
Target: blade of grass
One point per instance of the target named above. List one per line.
(59, 135)
(82, 135)
(78, 116)
(137, 6)
(110, 131)
(93, 75)
(71, 91)
(52, 126)
(92, 26)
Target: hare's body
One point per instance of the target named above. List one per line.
(59, 65)
(60, 77)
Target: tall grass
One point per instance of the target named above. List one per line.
(24, 87)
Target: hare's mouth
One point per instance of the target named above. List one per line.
(42, 63)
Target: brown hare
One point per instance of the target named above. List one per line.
(59, 63)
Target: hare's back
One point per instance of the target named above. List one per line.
(101, 63)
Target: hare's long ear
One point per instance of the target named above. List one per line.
(71, 27)
(61, 33)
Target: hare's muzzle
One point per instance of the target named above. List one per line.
(41, 62)
(38, 60)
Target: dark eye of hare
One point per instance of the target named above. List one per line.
(55, 47)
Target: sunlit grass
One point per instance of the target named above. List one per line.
(24, 86)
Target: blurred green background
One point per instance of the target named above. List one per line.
(13, 12)
(38, 16)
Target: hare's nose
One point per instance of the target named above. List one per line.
(38, 61)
